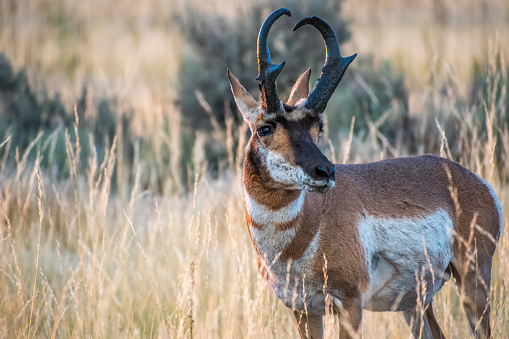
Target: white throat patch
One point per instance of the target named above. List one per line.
(262, 215)
(280, 170)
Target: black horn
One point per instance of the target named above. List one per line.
(267, 72)
(333, 69)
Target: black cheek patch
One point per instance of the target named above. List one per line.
(306, 152)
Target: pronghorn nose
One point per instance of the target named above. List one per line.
(325, 172)
(332, 174)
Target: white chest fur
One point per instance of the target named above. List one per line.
(291, 281)
(402, 251)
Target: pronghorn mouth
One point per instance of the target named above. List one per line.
(315, 188)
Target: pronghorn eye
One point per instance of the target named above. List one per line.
(265, 130)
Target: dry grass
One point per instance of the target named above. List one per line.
(79, 260)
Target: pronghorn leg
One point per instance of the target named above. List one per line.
(436, 331)
(474, 288)
(419, 323)
(310, 326)
(350, 318)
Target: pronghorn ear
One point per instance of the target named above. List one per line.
(248, 106)
(301, 89)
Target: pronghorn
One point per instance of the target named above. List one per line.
(381, 236)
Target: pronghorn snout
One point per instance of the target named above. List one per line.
(319, 171)
(320, 174)
(325, 171)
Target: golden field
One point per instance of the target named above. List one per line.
(140, 248)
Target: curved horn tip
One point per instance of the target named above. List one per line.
(272, 17)
(282, 11)
(306, 21)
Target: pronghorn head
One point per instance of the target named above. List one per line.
(285, 135)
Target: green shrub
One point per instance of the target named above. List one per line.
(377, 97)
(490, 86)
(24, 114)
(217, 42)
